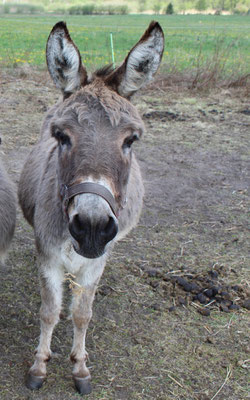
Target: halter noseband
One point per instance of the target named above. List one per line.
(67, 192)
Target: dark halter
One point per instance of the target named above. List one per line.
(67, 192)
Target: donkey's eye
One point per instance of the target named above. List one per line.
(61, 137)
(129, 141)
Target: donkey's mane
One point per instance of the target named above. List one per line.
(104, 71)
(90, 101)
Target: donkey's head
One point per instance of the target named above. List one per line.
(95, 126)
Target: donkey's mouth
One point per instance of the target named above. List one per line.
(88, 253)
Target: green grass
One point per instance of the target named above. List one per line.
(188, 39)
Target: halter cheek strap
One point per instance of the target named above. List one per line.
(67, 192)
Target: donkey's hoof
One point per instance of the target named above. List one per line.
(34, 382)
(83, 385)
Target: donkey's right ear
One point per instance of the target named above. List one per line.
(64, 60)
(141, 63)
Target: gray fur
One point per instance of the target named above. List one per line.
(39, 186)
(7, 211)
(97, 123)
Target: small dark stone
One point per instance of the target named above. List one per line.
(104, 290)
(152, 273)
(187, 287)
(203, 397)
(202, 299)
(209, 293)
(213, 273)
(161, 114)
(166, 277)
(202, 111)
(156, 307)
(194, 287)
(234, 307)
(183, 283)
(226, 295)
(227, 302)
(246, 111)
(173, 278)
(204, 311)
(224, 308)
(233, 270)
(215, 290)
(172, 308)
(246, 304)
(182, 301)
(154, 284)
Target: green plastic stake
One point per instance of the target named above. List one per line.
(112, 49)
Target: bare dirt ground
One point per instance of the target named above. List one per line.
(171, 313)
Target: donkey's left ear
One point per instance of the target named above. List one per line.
(141, 64)
(64, 60)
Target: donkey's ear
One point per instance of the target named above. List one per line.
(64, 60)
(141, 64)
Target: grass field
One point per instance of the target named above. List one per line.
(190, 39)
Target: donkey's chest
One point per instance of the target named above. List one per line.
(87, 270)
(72, 261)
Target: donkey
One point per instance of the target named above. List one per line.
(7, 211)
(81, 187)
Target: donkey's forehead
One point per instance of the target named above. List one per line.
(98, 104)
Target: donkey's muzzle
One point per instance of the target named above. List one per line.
(92, 237)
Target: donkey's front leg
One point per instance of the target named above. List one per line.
(51, 295)
(83, 297)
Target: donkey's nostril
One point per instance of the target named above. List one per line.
(92, 235)
(78, 227)
(109, 230)
(77, 223)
